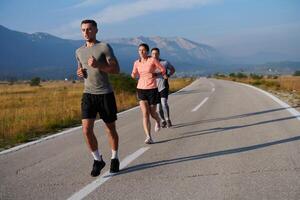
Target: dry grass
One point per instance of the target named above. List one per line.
(178, 83)
(29, 112)
(291, 83)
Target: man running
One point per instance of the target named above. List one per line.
(95, 60)
(163, 89)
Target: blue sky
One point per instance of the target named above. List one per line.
(236, 27)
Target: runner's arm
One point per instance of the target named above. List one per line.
(160, 67)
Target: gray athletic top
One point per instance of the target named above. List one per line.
(160, 79)
(97, 81)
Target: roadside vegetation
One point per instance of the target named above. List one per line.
(37, 108)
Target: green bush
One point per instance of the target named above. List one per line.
(241, 75)
(297, 73)
(257, 82)
(272, 84)
(232, 75)
(256, 77)
(123, 82)
(35, 81)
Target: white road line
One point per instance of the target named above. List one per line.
(106, 176)
(202, 102)
(16, 148)
(293, 111)
(214, 89)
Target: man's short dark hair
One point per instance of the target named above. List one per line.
(89, 21)
(145, 45)
(155, 49)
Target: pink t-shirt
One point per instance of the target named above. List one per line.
(145, 71)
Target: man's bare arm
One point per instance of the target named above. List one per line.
(172, 70)
(112, 65)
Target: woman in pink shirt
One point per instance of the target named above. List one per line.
(144, 68)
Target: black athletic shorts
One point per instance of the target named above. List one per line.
(165, 92)
(104, 104)
(150, 95)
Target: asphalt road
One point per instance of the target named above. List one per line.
(229, 141)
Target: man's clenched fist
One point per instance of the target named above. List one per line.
(92, 62)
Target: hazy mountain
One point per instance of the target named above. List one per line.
(26, 55)
(49, 57)
(41, 54)
(182, 53)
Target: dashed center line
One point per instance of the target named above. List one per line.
(198, 106)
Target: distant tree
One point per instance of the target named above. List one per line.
(297, 73)
(241, 75)
(35, 81)
(256, 77)
(232, 75)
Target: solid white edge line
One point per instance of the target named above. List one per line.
(198, 106)
(293, 111)
(106, 176)
(19, 147)
(16, 148)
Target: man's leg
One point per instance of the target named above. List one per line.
(161, 115)
(113, 138)
(165, 108)
(91, 140)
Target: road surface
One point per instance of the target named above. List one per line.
(229, 141)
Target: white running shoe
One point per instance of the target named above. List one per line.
(157, 127)
(148, 140)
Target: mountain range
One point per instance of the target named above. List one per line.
(50, 57)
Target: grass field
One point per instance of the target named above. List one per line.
(288, 83)
(29, 112)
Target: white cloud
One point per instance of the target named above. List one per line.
(85, 3)
(81, 4)
(123, 12)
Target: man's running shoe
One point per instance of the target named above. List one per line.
(97, 166)
(114, 165)
(169, 124)
(163, 124)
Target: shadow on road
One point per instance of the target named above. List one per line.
(230, 117)
(203, 156)
(220, 129)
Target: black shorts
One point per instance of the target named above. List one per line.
(150, 95)
(164, 93)
(104, 104)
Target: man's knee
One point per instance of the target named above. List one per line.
(111, 128)
(87, 131)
